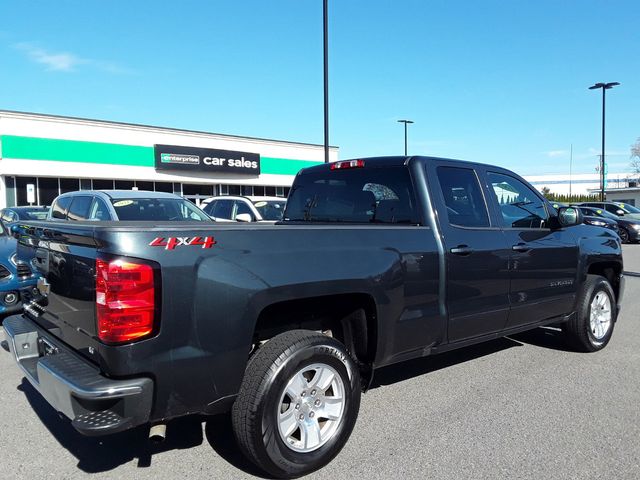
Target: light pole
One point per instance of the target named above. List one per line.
(604, 87)
(325, 44)
(405, 134)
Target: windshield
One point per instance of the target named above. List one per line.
(628, 208)
(40, 214)
(598, 212)
(357, 195)
(157, 209)
(270, 209)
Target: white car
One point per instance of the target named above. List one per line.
(229, 208)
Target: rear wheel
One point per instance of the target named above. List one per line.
(592, 326)
(298, 403)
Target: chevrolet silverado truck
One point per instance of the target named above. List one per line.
(376, 261)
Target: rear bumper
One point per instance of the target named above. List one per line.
(95, 404)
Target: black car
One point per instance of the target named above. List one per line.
(619, 209)
(628, 227)
(11, 215)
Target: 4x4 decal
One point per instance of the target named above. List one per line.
(170, 243)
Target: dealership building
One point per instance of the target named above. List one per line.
(42, 156)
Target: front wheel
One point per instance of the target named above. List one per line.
(298, 403)
(624, 235)
(592, 326)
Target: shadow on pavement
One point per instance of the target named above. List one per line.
(219, 433)
(420, 366)
(546, 337)
(101, 454)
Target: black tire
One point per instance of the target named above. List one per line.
(258, 406)
(624, 235)
(578, 330)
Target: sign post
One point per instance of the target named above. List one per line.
(31, 193)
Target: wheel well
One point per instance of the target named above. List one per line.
(609, 270)
(350, 318)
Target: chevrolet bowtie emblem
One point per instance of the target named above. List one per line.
(44, 287)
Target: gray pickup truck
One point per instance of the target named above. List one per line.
(376, 261)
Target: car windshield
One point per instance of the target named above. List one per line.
(598, 212)
(270, 209)
(628, 208)
(39, 214)
(157, 209)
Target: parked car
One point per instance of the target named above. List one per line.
(375, 262)
(244, 209)
(589, 219)
(15, 275)
(628, 227)
(11, 215)
(619, 209)
(113, 205)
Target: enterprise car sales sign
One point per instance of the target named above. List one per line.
(192, 159)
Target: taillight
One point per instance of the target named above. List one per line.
(347, 164)
(125, 300)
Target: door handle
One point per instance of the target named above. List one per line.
(521, 247)
(462, 250)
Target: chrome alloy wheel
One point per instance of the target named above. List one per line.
(311, 408)
(600, 315)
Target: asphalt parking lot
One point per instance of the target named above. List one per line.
(522, 407)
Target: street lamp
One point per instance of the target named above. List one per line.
(405, 134)
(604, 87)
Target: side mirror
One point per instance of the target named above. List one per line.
(620, 213)
(569, 216)
(243, 217)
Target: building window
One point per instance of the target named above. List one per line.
(21, 189)
(124, 184)
(247, 190)
(99, 184)
(234, 189)
(85, 184)
(279, 191)
(166, 187)
(48, 190)
(258, 190)
(270, 191)
(198, 190)
(69, 185)
(224, 189)
(286, 191)
(144, 186)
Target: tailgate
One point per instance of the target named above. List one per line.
(64, 257)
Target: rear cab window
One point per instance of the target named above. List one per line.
(378, 195)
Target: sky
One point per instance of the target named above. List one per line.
(501, 82)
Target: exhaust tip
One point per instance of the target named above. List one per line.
(158, 433)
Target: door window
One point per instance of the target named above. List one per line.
(99, 211)
(79, 209)
(521, 207)
(242, 207)
(463, 197)
(59, 208)
(223, 209)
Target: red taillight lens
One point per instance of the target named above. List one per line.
(347, 164)
(125, 300)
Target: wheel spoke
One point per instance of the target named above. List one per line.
(331, 409)
(288, 421)
(297, 384)
(323, 378)
(310, 434)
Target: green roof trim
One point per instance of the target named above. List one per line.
(32, 148)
